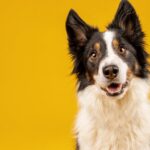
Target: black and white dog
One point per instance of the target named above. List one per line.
(111, 68)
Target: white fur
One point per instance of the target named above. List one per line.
(106, 123)
(103, 124)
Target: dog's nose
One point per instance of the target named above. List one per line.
(111, 71)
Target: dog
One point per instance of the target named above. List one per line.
(113, 82)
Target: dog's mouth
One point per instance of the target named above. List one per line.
(115, 89)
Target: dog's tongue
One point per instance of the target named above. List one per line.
(114, 88)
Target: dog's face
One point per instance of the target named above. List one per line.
(108, 59)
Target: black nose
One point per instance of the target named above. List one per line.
(111, 71)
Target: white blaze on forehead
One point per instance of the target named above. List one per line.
(111, 57)
(108, 38)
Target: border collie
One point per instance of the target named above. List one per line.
(112, 73)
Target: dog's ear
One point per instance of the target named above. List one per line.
(127, 21)
(78, 31)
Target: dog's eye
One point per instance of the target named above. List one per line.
(122, 50)
(93, 56)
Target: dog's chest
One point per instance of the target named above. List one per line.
(113, 132)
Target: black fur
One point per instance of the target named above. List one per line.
(77, 146)
(82, 36)
(79, 34)
(127, 23)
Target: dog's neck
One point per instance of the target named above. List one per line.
(123, 123)
(131, 106)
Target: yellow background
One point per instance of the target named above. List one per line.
(37, 93)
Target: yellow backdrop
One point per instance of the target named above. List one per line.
(37, 93)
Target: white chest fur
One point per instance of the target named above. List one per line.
(104, 124)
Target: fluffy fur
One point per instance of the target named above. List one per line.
(103, 124)
(112, 72)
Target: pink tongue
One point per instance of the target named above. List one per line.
(114, 89)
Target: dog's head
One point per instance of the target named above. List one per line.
(108, 59)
